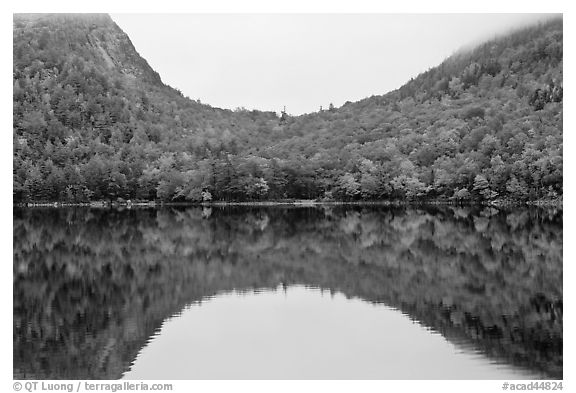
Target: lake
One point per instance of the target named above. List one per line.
(280, 292)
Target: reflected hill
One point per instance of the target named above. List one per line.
(92, 286)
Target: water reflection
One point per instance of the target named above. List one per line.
(302, 333)
(92, 286)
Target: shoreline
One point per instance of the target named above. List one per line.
(297, 203)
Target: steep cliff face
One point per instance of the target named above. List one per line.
(93, 37)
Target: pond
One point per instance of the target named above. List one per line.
(322, 292)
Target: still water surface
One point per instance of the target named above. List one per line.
(287, 293)
(302, 333)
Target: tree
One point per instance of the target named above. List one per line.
(349, 186)
(482, 187)
(517, 188)
(462, 194)
(456, 86)
(33, 123)
(257, 187)
(409, 186)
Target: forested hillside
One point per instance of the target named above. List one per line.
(93, 121)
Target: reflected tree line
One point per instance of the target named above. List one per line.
(91, 286)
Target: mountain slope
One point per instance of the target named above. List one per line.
(92, 120)
(92, 37)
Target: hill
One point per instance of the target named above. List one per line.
(93, 121)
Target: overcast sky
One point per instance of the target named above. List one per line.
(302, 61)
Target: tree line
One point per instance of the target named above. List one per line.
(92, 121)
